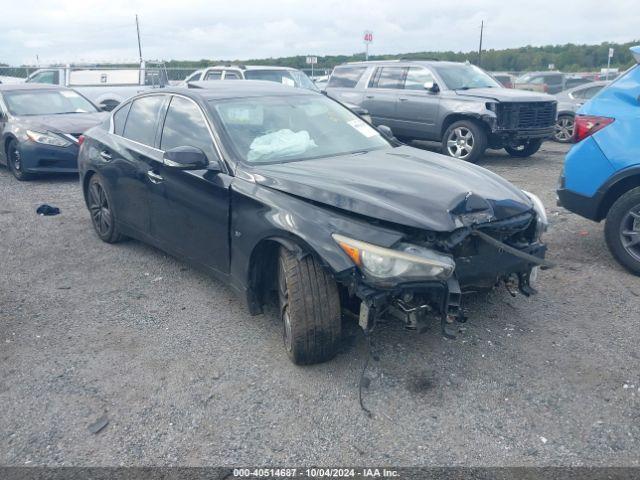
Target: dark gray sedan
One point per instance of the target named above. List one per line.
(40, 128)
(569, 101)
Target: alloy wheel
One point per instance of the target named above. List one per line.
(460, 143)
(630, 232)
(99, 208)
(564, 129)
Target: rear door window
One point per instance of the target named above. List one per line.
(142, 120)
(346, 77)
(229, 75)
(388, 77)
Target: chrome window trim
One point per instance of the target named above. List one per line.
(168, 94)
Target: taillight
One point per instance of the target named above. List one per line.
(586, 125)
(80, 140)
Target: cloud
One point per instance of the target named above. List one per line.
(90, 30)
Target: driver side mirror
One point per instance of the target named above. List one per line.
(431, 87)
(386, 132)
(186, 158)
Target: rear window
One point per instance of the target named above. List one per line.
(388, 77)
(345, 77)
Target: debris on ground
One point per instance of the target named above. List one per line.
(97, 426)
(47, 210)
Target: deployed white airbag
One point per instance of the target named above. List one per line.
(283, 143)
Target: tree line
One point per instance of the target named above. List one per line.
(569, 57)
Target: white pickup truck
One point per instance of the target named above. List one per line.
(106, 87)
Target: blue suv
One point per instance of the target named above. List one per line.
(601, 176)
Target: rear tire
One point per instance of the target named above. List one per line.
(309, 309)
(622, 230)
(14, 162)
(101, 210)
(524, 150)
(563, 132)
(464, 140)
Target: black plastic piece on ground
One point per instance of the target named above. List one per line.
(47, 210)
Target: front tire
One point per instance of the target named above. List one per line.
(309, 309)
(15, 164)
(525, 149)
(464, 140)
(622, 230)
(101, 210)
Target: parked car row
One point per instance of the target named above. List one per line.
(289, 197)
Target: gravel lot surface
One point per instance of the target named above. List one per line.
(186, 377)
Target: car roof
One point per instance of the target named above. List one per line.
(584, 86)
(402, 62)
(548, 72)
(220, 89)
(252, 67)
(7, 87)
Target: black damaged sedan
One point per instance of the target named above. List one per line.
(290, 197)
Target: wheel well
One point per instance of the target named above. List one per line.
(456, 117)
(263, 273)
(263, 268)
(5, 147)
(616, 191)
(85, 183)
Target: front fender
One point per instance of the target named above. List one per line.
(260, 213)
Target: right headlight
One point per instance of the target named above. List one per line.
(406, 262)
(541, 214)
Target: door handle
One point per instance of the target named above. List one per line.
(368, 96)
(154, 177)
(403, 99)
(106, 155)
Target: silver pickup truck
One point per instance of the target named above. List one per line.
(105, 87)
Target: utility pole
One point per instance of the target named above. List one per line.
(139, 45)
(480, 48)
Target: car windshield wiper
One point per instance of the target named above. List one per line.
(466, 87)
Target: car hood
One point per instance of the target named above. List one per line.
(63, 123)
(568, 106)
(402, 185)
(505, 95)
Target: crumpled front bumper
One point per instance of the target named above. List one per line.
(483, 270)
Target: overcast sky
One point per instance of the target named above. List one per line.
(92, 31)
